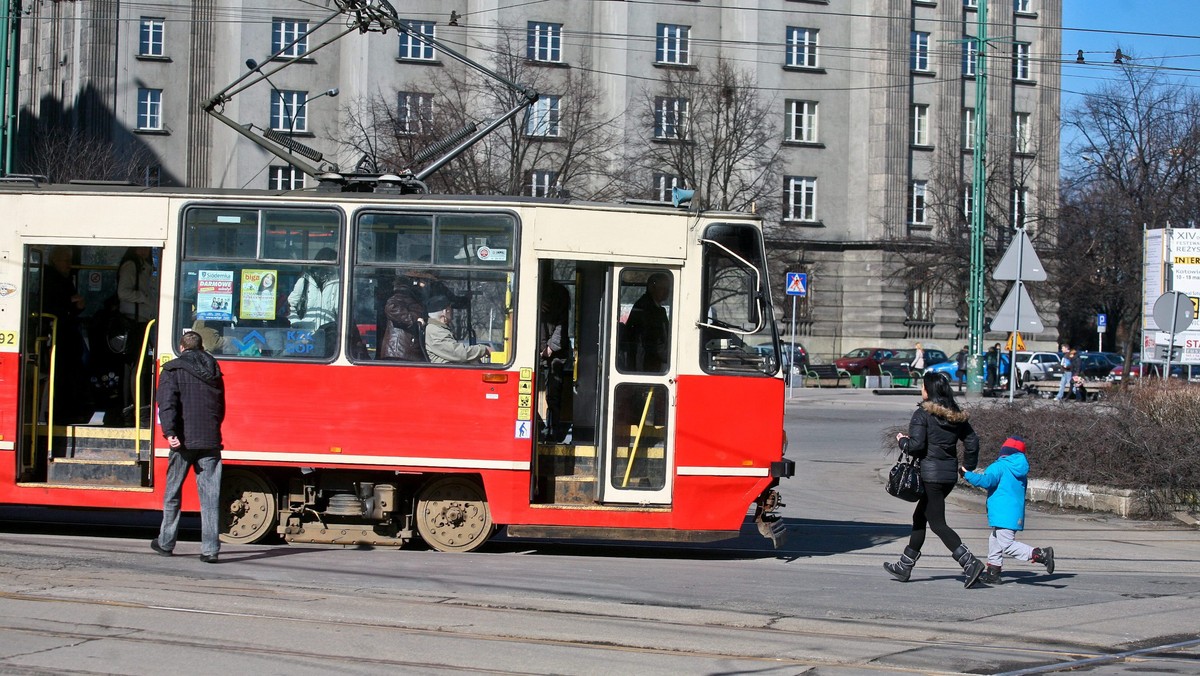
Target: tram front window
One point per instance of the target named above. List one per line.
(738, 329)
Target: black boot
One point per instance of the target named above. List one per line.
(972, 567)
(1044, 555)
(991, 575)
(903, 568)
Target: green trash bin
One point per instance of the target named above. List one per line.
(901, 381)
(858, 381)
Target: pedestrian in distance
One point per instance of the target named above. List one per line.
(960, 366)
(934, 432)
(1064, 360)
(1006, 481)
(191, 408)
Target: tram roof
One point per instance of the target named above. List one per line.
(104, 188)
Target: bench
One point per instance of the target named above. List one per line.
(815, 373)
(1049, 388)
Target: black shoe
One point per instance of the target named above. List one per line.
(208, 558)
(991, 575)
(972, 567)
(158, 548)
(902, 569)
(1045, 556)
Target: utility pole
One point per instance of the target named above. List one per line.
(975, 296)
(7, 85)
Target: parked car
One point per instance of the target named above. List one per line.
(900, 362)
(1152, 370)
(787, 356)
(1038, 366)
(946, 368)
(1097, 365)
(864, 360)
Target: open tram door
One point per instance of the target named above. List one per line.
(80, 387)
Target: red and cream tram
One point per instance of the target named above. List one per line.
(331, 436)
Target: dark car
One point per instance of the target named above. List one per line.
(864, 360)
(787, 355)
(1097, 365)
(1152, 370)
(900, 362)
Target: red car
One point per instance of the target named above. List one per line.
(864, 360)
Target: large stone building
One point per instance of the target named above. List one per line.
(875, 101)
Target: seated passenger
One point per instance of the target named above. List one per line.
(440, 343)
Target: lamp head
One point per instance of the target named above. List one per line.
(251, 64)
(332, 92)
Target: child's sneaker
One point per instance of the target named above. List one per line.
(991, 575)
(1045, 556)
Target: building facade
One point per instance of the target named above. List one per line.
(875, 104)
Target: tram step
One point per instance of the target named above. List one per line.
(100, 443)
(566, 460)
(94, 472)
(572, 490)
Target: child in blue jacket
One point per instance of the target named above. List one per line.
(1006, 481)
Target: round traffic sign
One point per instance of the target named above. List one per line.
(1173, 311)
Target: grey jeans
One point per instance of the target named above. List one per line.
(1004, 541)
(207, 465)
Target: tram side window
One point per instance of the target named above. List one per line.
(738, 329)
(262, 283)
(644, 336)
(403, 261)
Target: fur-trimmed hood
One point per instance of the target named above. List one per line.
(944, 413)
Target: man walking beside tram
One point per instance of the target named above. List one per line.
(191, 408)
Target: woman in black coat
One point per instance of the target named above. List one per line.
(933, 435)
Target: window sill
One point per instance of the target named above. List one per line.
(925, 3)
(969, 76)
(812, 2)
(920, 146)
(546, 64)
(1024, 81)
(418, 62)
(149, 57)
(295, 134)
(152, 132)
(924, 73)
(668, 141)
(292, 59)
(920, 227)
(1026, 15)
(802, 224)
(676, 66)
(1025, 154)
(804, 144)
(816, 70)
(545, 138)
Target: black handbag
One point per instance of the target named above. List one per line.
(904, 481)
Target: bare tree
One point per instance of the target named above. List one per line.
(563, 136)
(68, 155)
(1136, 163)
(711, 129)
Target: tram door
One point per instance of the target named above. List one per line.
(638, 450)
(78, 425)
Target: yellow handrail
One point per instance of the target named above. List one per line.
(50, 388)
(637, 438)
(137, 389)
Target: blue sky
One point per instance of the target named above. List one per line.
(1138, 27)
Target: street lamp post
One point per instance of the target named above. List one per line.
(975, 291)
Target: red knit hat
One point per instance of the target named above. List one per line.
(1013, 444)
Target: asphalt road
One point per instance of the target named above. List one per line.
(1125, 597)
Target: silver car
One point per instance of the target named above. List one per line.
(1038, 366)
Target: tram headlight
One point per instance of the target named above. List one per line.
(783, 451)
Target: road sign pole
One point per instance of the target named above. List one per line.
(792, 354)
(1171, 340)
(1100, 337)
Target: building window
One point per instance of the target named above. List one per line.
(801, 121)
(919, 54)
(289, 38)
(919, 305)
(971, 4)
(802, 47)
(916, 203)
(544, 42)
(410, 47)
(968, 202)
(289, 111)
(671, 44)
(663, 185)
(670, 117)
(1020, 60)
(1020, 206)
(149, 116)
(414, 112)
(920, 125)
(968, 127)
(1022, 7)
(800, 193)
(970, 59)
(1022, 139)
(543, 117)
(150, 37)
(285, 178)
(540, 182)
(152, 176)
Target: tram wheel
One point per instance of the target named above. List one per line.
(453, 515)
(248, 506)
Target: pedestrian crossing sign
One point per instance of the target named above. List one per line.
(797, 283)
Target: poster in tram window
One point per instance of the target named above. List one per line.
(258, 294)
(214, 296)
